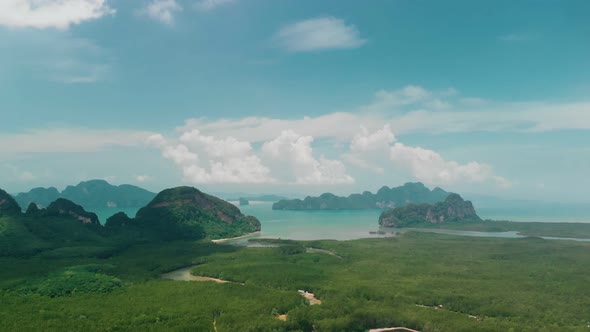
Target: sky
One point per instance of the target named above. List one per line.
(298, 96)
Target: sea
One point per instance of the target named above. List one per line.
(355, 224)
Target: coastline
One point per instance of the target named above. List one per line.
(236, 238)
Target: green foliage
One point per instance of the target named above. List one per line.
(186, 212)
(64, 207)
(384, 198)
(8, 206)
(118, 219)
(453, 209)
(520, 284)
(290, 249)
(73, 280)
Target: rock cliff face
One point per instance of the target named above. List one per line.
(384, 198)
(193, 212)
(8, 205)
(453, 209)
(64, 207)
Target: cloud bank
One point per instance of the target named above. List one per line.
(318, 34)
(58, 14)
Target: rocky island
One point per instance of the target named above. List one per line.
(453, 209)
(384, 198)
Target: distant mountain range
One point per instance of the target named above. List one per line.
(90, 194)
(385, 198)
(66, 228)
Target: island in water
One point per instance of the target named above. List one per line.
(452, 209)
(89, 194)
(243, 202)
(384, 198)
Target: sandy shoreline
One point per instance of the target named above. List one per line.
(235, 238)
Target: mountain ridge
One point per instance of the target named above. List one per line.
(89, 194)
(385, 197)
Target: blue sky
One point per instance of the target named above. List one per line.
(488, 97)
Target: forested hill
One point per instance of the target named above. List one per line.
(90, 194)
(384, 198)
(453, 209)
(182, 213)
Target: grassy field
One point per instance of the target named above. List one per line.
(429, 282)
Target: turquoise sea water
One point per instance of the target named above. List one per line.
(353, 224)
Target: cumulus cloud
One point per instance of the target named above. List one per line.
(162, 10)
(367, 150)
(207, 159)
(366, 141)
(208, 5)
(431, 168)
(59, 14)
(318, 34)
(293, 153)
(376, 150)
(286, 159)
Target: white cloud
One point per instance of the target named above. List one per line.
(260, 129)
(407, 111)
(207, 159)
(162, 10)
(68, 140)
(365, 141)
(143, 178)
(293, 153)
(180, 154)
(431, 168)
(59, 14)
(369, 150)
(207, 5)
(286, 159)
(318, 34)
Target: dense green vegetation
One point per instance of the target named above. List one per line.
(551, 229)
(63, 271)
(65, 228)
(384, 198)
(8, 206)
(429, 282)
(192, 211)
(453, 209)
(89, 194)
